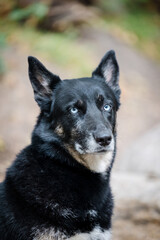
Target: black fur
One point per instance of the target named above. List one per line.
(46, 187)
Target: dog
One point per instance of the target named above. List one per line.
(59, 186)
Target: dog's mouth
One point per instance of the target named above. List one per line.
(101, 151)
(97, 150)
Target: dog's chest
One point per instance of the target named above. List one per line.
(51, 234)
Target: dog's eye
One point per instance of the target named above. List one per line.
(107, 108)
(74, 110)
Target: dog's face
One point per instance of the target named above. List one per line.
(80, 112)
(84, 113)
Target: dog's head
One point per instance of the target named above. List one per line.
(79, 112)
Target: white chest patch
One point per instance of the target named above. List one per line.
(95, 234)
(48, 234)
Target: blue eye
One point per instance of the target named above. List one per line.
(107, 108)
(74, 110)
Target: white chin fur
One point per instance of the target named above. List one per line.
(99, 162)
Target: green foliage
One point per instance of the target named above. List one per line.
(112, 7)
(124, 6)
(60, 48)
(2, 46)
(143, 26)
(138, 21)
(38, 10)
(2, 40)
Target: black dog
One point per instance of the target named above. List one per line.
(59, 186)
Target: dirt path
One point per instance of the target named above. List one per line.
(137, 212)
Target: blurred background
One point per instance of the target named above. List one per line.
(70, 37)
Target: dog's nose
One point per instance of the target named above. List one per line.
(102, 138)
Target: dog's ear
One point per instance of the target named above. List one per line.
(43, 82)
(108, 69)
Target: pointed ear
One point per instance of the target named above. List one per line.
(108, 69)
(43, 82)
